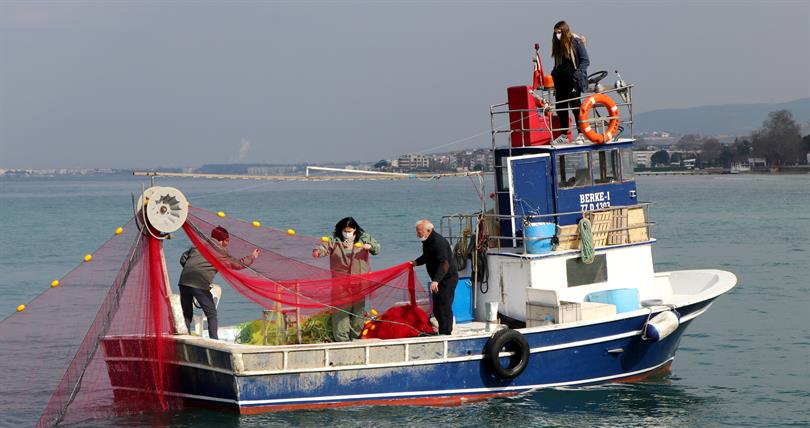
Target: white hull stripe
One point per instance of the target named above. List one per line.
(581, 342)
(178, 394)
(407, 394)
(446, 391)
(695, 314)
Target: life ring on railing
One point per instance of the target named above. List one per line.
(511, 341)
(613, 125)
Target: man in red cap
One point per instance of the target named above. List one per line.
(198, 273)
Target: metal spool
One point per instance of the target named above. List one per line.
(166, 208)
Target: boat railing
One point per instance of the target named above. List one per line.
(517, 119)
(610, 226)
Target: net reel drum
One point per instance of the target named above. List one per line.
(159, 212)
(162, 210)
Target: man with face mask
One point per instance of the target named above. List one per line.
(437, 256)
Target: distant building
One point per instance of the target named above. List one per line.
(642, 158)
(413, 161)
(755, 162)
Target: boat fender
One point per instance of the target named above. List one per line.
(613, 125)
(510, 341)
(660, 326)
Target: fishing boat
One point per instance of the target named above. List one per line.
(558, 286)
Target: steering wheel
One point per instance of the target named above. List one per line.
(596, 77)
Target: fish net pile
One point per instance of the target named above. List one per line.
(62, 349)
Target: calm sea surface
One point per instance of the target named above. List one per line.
(746, 362)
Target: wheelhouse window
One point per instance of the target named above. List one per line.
(503, 171)
(627, 164)
(573, 170)
(580, 273)
(606, 166)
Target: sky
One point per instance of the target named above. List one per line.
(141, 84)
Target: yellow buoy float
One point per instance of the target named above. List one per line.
(55, 283)
(256, 223)
(20, 308)
(119, 231)
(221, 214)
(290, 232)
(88, 257)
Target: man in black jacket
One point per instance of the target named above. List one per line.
(437, 255)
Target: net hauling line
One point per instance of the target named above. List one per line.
(358, 175)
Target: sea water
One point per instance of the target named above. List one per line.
(745, 362)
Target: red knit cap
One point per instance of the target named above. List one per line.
(220, 233)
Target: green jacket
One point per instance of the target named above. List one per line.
(349, 260)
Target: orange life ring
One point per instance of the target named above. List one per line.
(613, 125)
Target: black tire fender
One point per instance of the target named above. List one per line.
(511, 341)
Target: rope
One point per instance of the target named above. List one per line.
(646, 324)
(586, 241)
(478, 134)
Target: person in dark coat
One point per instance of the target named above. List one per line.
(195, 280)
(570, 75)
(437, 256)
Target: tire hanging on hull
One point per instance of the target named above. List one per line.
(510, 341)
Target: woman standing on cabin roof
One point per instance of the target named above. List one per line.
(570, 75)
(348, 250)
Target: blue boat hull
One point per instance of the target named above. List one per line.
(590, 354)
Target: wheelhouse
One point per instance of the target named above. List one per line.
(558, 183)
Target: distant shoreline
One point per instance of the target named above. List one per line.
(783, 170)
(110, 172)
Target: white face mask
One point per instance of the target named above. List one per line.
(559, 36)
(423, 238)
(348, 236)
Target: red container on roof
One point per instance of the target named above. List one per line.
(528, 127)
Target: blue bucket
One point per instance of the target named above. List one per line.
(539, 230)
(625, 299)
(462, 300)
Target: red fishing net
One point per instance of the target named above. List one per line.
(53, 360)
(60, 354)
(287, 276)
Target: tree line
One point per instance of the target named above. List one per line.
(778, 141)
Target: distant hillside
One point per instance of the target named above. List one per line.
(733, 119)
